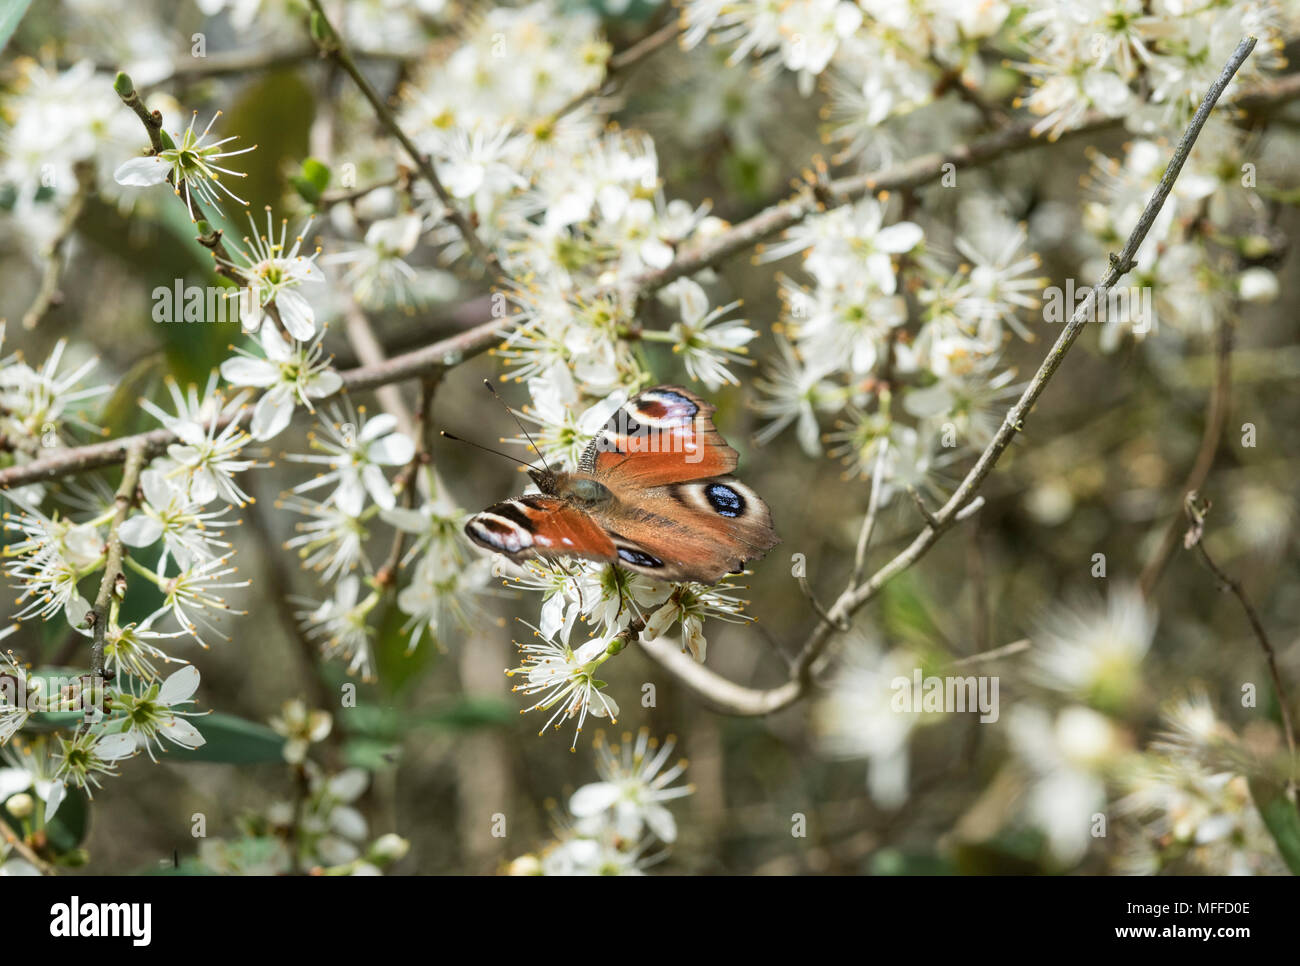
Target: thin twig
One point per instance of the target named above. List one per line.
(869, 521)
(113, 583)
(1194, 540)
(1216, 417)
(406, 484)
(920, 505)
(48, 295)
(209, 239)
(344, 195)
(1006, 650)
(619, 62)
(239, 63)
(841, 623)
(25, 850)
(152, 120)
(736, 699)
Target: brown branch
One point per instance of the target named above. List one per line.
(48, 295)
(113, 583)
(1194, 540)
(619, 62)
(1216, 416)
(208, 237)
(25, 850)
(238, 63)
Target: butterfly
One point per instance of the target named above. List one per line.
(652, 493)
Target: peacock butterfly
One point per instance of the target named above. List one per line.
(652, 493)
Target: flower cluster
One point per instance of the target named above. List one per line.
(1187, 803)
(61, 130)
(620, 825)
(618, 606)
(321, 830)
(903, 348)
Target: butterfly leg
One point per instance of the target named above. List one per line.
(618, 584)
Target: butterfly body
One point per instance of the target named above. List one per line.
(652, 493)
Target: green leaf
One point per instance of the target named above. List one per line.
(275, 113)
(372, 754)
(47, 721)
(387, 724)
(9, 18)
(307, 191)
(905, 612)
(68, 828)
(471, 713)
(233, 741)
(892, 861)
(1282, 819)
(312, 182)
(317, 172)
(122, 414)
(396, 665)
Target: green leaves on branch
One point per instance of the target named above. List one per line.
(234, 741)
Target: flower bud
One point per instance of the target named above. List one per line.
(20, 805)
(389, 848)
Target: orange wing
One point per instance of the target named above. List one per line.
(661, 435)
(540, 526)
(699, 530)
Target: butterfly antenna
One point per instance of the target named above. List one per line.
(486, 449)
(513, 415)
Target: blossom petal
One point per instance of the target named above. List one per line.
(297, 315)
(243, 371)
(272, 414)
(142, 172)
(140, 530)
(115, 747)
(182, 732)
(395, 449)
(593, 799)
(179, 686)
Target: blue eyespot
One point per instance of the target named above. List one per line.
(724, 499)
(639, 558)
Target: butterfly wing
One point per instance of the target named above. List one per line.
(697, 530)
(672, 510)
(540, 526)
(661, 435)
